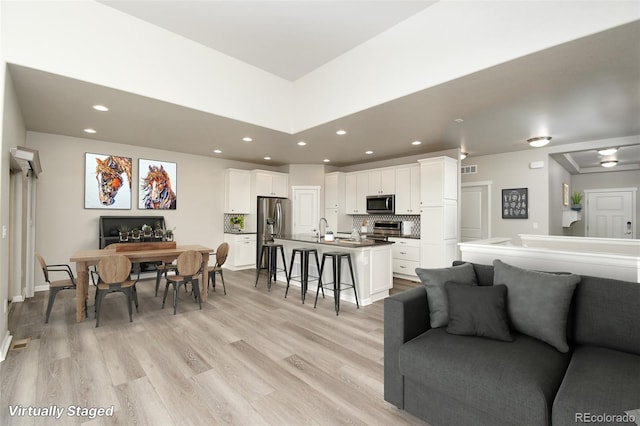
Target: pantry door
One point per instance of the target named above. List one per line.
(306, 209)
(610, 213)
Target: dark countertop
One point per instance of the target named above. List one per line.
(339, 242)
(372, 234)
(241, 232)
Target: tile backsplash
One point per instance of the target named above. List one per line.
(227, 224)
(415, 221)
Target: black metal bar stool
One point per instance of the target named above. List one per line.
(336, 258)
(304, 270)
(272, 263)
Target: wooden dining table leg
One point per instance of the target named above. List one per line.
(205, 277)
(82, 289)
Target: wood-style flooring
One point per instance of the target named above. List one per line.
(251, 357)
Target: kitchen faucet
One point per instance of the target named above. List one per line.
(326, 225)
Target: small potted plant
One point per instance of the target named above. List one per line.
(124, 233)
(237, 223)
(135, 233)
(576, 200)
(168, 234)
(158, 231)
(146, 230)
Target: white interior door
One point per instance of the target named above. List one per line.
(474, 212)
(610, 213)
(306, 209)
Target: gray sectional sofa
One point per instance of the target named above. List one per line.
(449, 379)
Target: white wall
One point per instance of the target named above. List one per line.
(511, 170)
(65, 226)
(557, 176)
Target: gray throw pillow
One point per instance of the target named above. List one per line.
(537, 302)
(434, 280)
(478, 311)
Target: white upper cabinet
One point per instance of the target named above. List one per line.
(439, 181)
(237, 191)
(382, 182)
(333, 190)
(407, 189)
(271, 184)
(356, 191)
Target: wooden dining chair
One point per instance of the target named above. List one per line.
(188, 267)
(114, 273)
(163, 269)
(56, 286)
(221, 256)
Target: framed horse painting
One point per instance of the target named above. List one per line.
(107, 182)
(157, 189)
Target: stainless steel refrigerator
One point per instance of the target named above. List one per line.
(273, 221)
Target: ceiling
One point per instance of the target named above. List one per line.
(584, 90)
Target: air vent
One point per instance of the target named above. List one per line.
(469, 170)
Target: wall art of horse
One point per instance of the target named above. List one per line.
(112, 181)
(156, 190)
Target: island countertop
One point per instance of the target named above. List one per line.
(339, 242)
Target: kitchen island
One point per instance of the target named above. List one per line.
(372, 265)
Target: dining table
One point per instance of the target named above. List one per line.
(86, 258)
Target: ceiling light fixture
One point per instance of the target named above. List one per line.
(368, 152)
(341, 132)
(607, 151)
(416, 143)
(609, 163)
(463, 155)
(302, 143)
(326, 160)
(247, 139)
(101, 108)
(459, 120)
(217, 151)
(89, 130)
(539, 141)
(267, 158)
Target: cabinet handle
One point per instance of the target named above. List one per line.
(402, 252)
(403, 267)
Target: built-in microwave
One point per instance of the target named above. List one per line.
(381, 204)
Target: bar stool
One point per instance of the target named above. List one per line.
(304, 270)
(272, 263)
(336, 258)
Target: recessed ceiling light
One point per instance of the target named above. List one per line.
(539, 141)
(100, 108)
(607, 151)
(247, 139)
(89, 130)
(267, 158)
(302, 143)
(326, 160)
(368, 152)
(217, 151)
(341, 132)
(416, 143)
(610, 163)
(463, 155)
(459, 120)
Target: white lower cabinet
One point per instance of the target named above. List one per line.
(406, 257)
(242, 251)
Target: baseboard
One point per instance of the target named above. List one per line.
(6, 344)
(44, 287)
(16, 299)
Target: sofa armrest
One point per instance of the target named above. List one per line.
(406, 316)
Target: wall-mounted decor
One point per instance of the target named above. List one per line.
(157, 185)
(107, 182)
(515, 203)
(565, 194)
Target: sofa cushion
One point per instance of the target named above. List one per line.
(434, 280)
(598, 381)
(606, 314)
(478, 311)
(515, 381)
(538, 302)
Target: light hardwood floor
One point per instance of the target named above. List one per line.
(248, 358)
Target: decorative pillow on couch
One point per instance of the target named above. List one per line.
(434, 281)
(537, 302)
(478, 311)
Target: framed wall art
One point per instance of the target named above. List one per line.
(107, 181)
(515, 203)
(157, 190)
(565, 194)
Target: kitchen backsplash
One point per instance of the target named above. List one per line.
(415, 222)
(227, 223)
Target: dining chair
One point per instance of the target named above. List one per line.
(221, 256)
(188, 267)
(58, 285)
(163, 269)
(114, 273)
